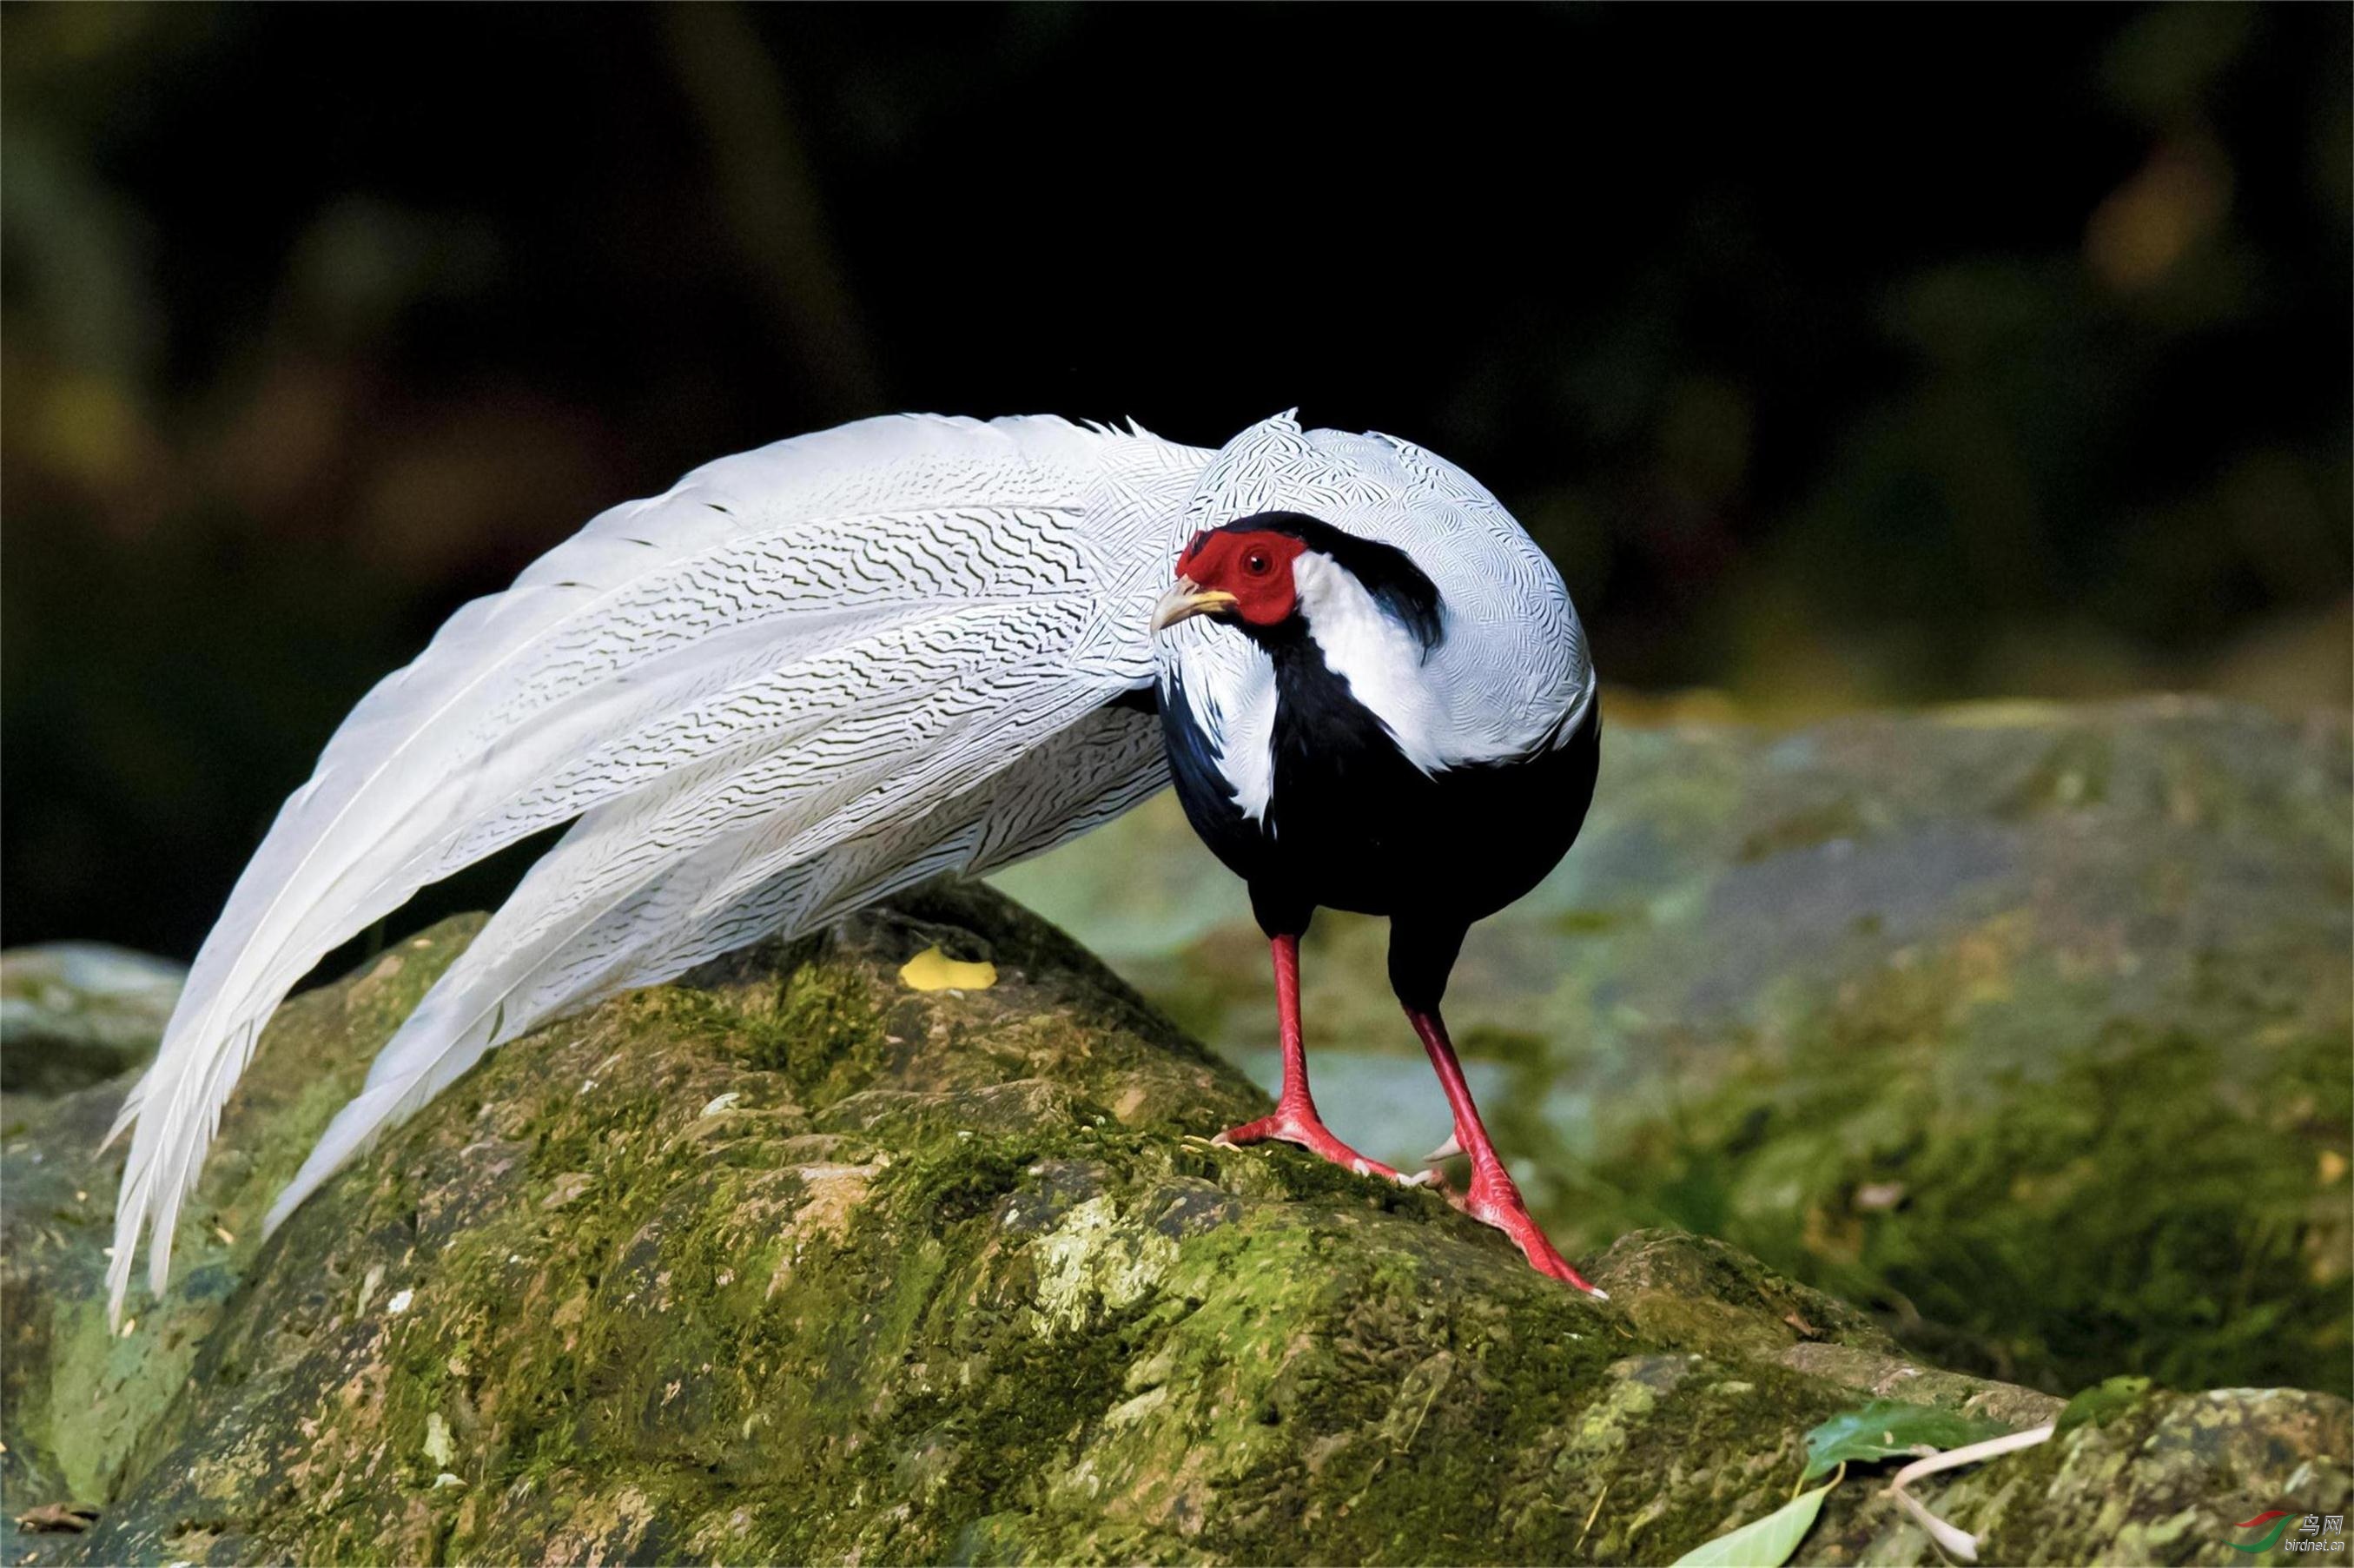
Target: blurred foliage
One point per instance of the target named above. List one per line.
(1838, 356)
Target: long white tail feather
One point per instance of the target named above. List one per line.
(732, 659)
(1097, 768)
(632, 872)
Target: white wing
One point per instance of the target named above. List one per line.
(791, 683)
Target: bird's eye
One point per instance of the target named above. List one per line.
(1256, 563)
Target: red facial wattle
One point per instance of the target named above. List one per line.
(1255, 567)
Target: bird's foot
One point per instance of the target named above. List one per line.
(1308, 1131)
(1495, 1200)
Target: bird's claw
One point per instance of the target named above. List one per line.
(1495, 1201)
(1305, 1129)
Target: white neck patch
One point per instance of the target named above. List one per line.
(1230, 687)
(1381, 661)
(1440, 711)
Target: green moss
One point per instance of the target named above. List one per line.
(945, 1280)
(822, 1030)
(1946, 1204)
(104, 1390)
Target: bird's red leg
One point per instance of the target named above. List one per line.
(1494, 1198)
(1295, 1119)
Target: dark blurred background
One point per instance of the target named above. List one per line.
(1840, 356)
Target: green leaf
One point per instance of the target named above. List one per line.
(1886, 1428)
(1768, 1543)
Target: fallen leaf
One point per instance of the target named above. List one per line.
(1766, 1543)
(932, 970)
(1886, 1428)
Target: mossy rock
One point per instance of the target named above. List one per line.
(77, 1013)
(2024, 1026)
(790, 1263)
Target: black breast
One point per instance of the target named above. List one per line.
(1352, 824)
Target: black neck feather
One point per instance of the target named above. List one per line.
(1403, 590)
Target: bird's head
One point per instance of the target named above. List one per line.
(1367, 569)
(1277, 569)
(1240, 574)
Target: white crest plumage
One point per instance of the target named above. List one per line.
(805, 677)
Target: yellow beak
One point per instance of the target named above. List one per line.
(1186, 601)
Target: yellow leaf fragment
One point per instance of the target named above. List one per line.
(932, 970)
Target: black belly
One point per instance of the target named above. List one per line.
(1352, 824)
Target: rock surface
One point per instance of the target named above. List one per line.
(791, 1262)
(73, 1014)
(2026, 1027)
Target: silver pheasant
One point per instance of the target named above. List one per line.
(807, 676)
